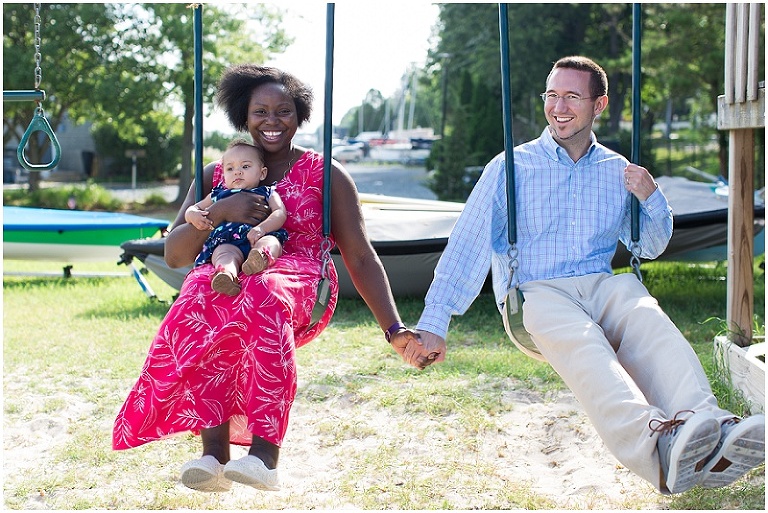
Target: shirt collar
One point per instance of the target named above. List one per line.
(557, 152)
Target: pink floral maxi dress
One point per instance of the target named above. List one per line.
(216, 357)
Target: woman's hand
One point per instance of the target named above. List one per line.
(413, 350)
(239, 208)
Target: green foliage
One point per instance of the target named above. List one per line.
(217, 140)
(682, 64)
(161, 140)
(476, 135)
(77, 41)
(373, 113)
(155, 200)
(85, 197)
(622, 143)
(134, 83)
(448, 182)
(227, 39)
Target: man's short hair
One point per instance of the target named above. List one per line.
(598, 82)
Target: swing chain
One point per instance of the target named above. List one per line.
(634, 260)
(38, 55)
(325, 255)
(39, 123)
(512, 253)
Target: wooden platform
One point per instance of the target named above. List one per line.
(747, 369)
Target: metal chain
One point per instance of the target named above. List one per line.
(325, 254)
(634, 260)
(512, 253)
(38, 55)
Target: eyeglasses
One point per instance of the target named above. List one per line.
(570, 99)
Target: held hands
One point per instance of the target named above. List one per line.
(639, 181)
(420, 349)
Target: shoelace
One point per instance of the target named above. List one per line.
(663, 426)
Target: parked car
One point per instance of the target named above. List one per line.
(347, 153)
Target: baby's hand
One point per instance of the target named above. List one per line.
(198, 218)
(254, 234)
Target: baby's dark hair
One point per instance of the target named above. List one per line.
(243, 142)
(238, 82)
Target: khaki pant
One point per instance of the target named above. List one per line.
(622, 357)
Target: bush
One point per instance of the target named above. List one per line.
(160, 138)
(83, 197)
(155, 200)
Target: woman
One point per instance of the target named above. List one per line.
(223, 366)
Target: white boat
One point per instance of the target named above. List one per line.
(409, 236)
(700, 213)
(71, 235)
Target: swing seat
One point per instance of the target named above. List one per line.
(512, 315)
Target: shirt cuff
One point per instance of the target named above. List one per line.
(655, 203)
(434, 320)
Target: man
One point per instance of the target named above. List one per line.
(631, 369)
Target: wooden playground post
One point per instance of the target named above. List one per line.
(740, 110)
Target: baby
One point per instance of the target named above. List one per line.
(232, 245)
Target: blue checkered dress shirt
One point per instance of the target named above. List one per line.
(570, 216)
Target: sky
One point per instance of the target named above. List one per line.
(374, 44)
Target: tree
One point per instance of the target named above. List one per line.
(120, 64)
(682, 59)
(162, 36)
(685, 56)
(371, 111)
(75, 43)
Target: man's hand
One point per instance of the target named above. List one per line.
(419, 349)
(433, 348)
(639, 181)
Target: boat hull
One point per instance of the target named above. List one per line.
(410, 235)
(71, 235)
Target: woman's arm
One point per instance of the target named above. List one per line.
(184, 241)
(362, 262)
(276, 219)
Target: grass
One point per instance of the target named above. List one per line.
(413, 440)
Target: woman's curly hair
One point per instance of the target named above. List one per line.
(238, 82)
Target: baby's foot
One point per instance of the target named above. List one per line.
(225, 283)
(257, 261)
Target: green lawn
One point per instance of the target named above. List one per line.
(392, 437)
